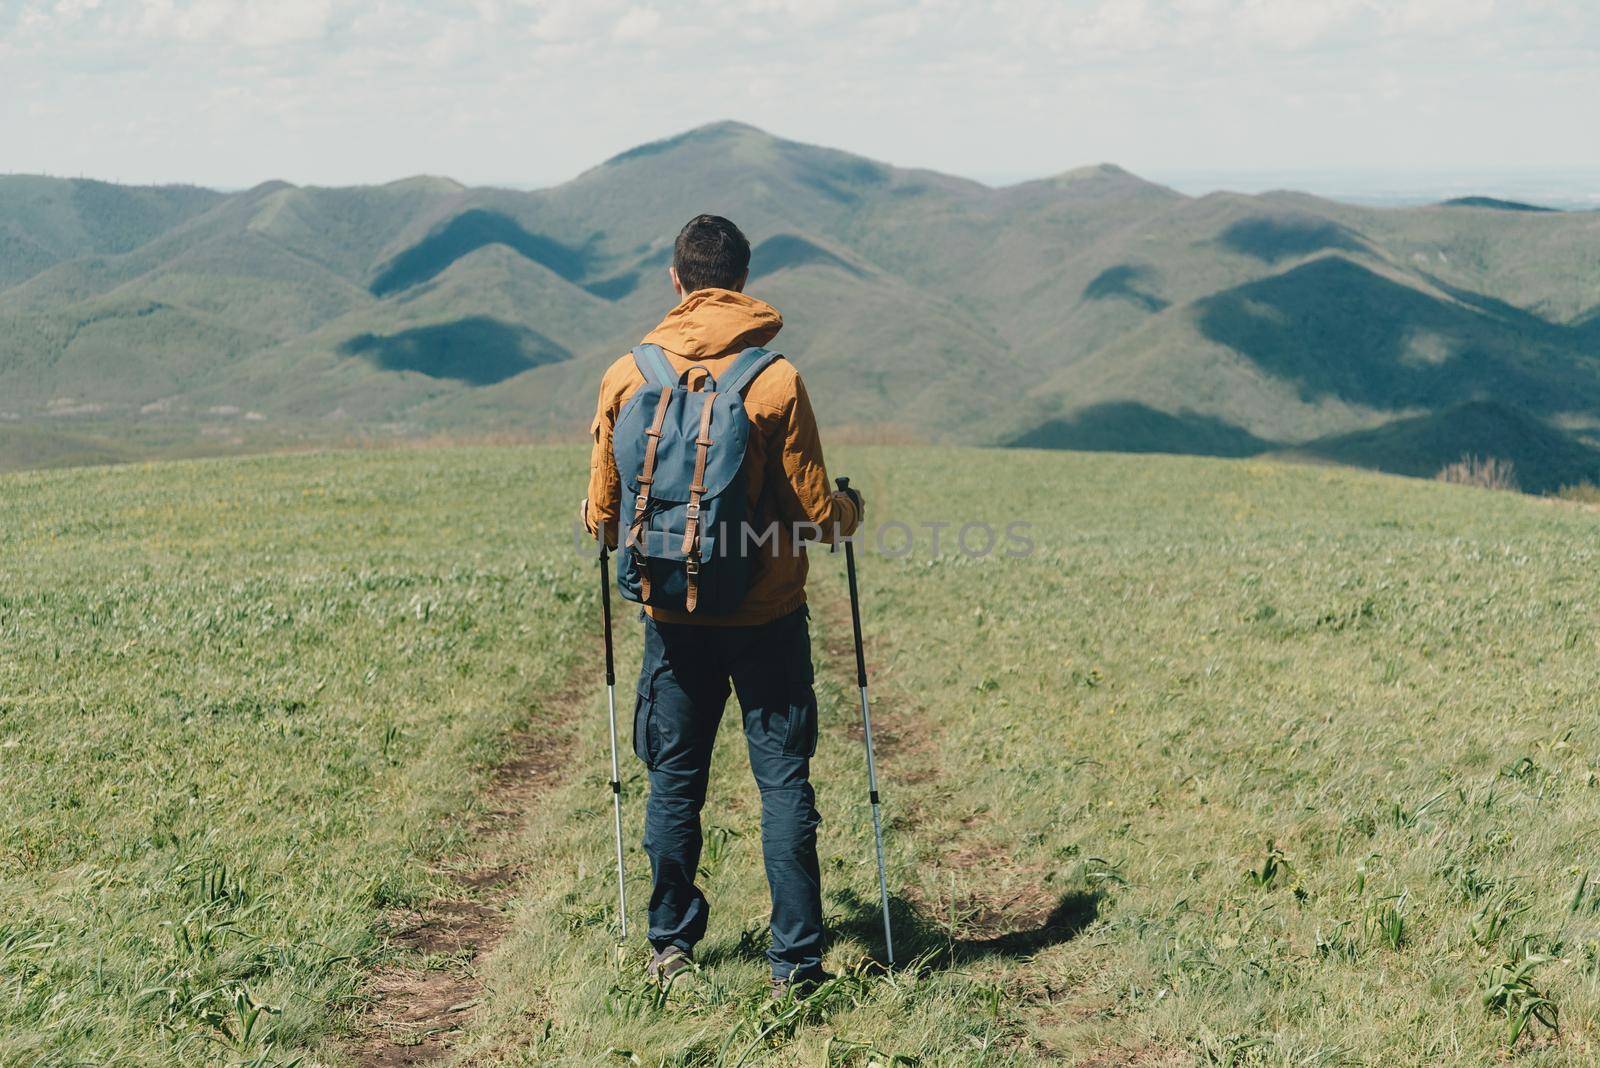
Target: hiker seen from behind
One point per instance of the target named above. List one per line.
(707, 478)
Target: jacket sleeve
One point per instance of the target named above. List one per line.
(603, 505)
(804, 494)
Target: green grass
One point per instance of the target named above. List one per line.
(241, 705)
(1314, 749)
(1247, 764)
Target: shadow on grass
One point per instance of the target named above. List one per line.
(919, 936)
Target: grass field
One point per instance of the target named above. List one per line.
(239, 703)
(1246, 764)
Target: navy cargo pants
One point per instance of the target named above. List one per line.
(683, 686)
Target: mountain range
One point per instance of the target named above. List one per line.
(1092, 310)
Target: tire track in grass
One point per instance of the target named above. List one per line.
(417, 1011)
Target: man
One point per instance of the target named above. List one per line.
(762, 651)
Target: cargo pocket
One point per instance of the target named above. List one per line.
(645, 746)
(800, 740)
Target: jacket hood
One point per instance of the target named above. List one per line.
(714, 322)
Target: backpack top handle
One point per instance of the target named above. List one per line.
(705, 382)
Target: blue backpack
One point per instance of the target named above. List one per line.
(680, 452)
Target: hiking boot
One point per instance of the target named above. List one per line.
(665, 964)
(800, 986)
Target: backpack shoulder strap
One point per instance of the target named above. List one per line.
(746, 369)
(655, 366)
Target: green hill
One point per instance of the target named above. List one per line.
(303, 758)
(46, 221)
(1093, 309)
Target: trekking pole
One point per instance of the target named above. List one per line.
(866, 732)
(611, 706)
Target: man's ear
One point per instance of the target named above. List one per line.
(738, 287)
(677, 286)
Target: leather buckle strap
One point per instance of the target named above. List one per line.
(648, 470)
(691, 532)
(647, 476)
(691, 529)
(641, 504)
(698, 485)
(691, 593)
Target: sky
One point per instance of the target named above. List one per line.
(229, 93)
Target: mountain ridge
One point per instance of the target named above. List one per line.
(1091, 306)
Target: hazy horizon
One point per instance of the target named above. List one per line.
(1568, 188)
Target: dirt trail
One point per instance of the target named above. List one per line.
(418, 1012)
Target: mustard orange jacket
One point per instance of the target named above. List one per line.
(785, 478)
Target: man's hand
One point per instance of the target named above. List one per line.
(583, 513)
(857, 502)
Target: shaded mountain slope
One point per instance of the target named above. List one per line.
(1332, 327)
(1544, 457)
(1128, 426)
(1492, 203)
(1326, 345)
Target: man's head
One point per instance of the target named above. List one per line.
(710, 253)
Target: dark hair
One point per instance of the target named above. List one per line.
(710, 253)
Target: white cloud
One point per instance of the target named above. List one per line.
(240, 22)
(365, 89)
(568, 20)
(637, 24)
